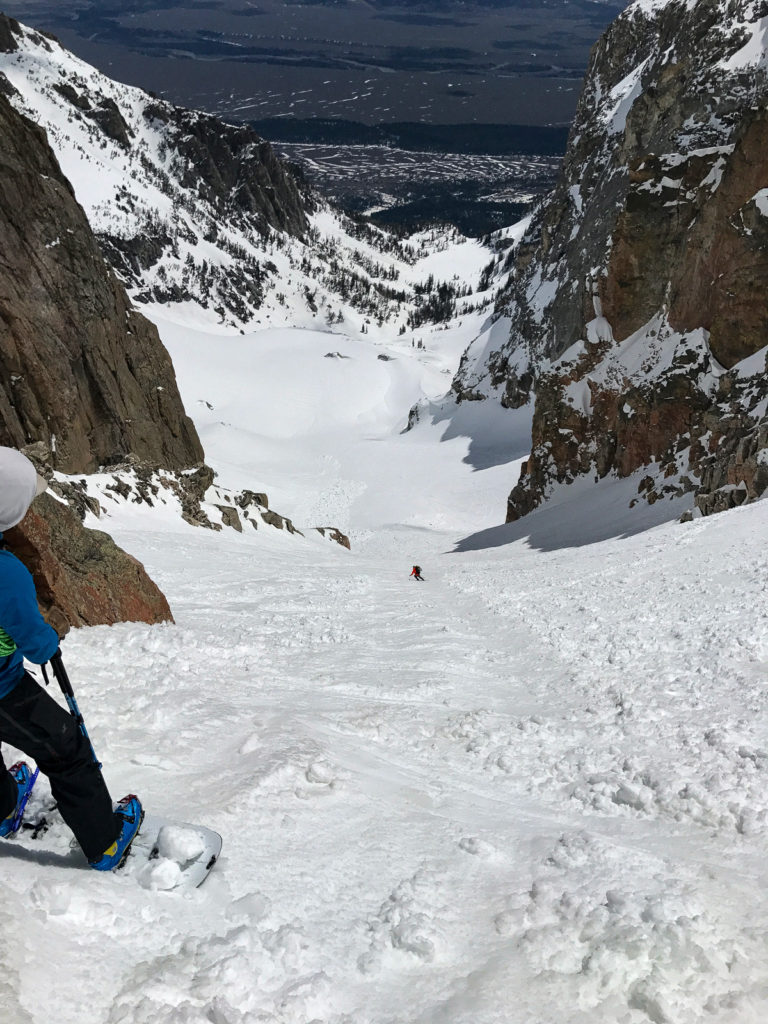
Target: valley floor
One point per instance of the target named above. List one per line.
(530, 790)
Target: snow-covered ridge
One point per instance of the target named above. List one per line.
(198, 214)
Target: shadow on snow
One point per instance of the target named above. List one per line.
(579, 514)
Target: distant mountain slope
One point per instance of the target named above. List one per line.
(197, 213)
(635, 297)
(171, 193)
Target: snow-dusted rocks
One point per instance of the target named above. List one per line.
(637, 289)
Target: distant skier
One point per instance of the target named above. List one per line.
(416, 573)
(30, 719)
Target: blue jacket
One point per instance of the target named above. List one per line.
(23, 631)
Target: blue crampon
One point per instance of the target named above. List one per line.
(130, 814)
(24, 780)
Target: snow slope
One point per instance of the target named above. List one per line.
(529, 790)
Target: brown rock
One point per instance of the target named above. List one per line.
(333, 534)
(279, 522)
(703, 252)
(245, 499)
(720, 281)
(229, 517)
(83, 572)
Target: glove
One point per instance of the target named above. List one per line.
(56, 618)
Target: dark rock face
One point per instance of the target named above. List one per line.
(83, 572)
(9, 29)
(651, 259)
(333, 534)
(233, 169)
(81, 370)
(6, 89)
(107, 115)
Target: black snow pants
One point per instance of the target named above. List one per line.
(32, 721)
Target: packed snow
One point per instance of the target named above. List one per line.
(530, 789)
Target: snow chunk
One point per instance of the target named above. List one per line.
(179, 844)
(160, 874)
(760, 200)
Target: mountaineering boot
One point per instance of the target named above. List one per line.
(24, 781)
(130, 815)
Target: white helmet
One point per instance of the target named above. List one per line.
(19, 485)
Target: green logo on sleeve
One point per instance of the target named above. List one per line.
(7, 646)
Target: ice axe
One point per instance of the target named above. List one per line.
(57, 667)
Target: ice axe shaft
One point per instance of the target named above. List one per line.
(57, 666)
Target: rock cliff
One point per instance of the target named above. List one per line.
(79, 369)
(636, 293)
(83, 378)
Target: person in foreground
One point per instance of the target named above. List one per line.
(31, 720)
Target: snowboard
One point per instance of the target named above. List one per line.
(166, 854)
(169, 854)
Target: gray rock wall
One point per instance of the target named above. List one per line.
(79, 369)
(655, 236)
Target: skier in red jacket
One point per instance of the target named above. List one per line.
(416, 573)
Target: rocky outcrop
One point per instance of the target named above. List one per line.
(720, 281)
(9, 30)
(699, 249)
(247, 498)
(232, 168)
(336, 535)
(84, 382)
(279, 522)
(81, 370)
(637, 290)
(81, 572)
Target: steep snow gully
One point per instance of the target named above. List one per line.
(530, 789)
